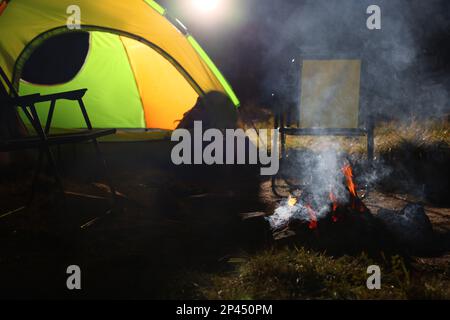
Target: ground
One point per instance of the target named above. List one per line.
(180, 235)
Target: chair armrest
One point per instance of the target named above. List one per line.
(350, 132)
(68, 95)
(24, 100)
(36, 98)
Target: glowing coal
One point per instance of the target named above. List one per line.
(330, 195)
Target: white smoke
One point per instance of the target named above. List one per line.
(322, 172)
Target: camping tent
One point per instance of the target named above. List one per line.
(143, 68)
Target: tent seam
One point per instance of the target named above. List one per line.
(135, 81)
(26, 52)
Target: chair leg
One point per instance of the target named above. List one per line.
(279, 125)
(370, 142)
(38, 170)
(106, 173)
(40, 131)
(35, 177)
(283, 146)
(370, 149)
(54, 168)
(99, 153)
(283, 137)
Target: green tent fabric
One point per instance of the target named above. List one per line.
(143, 70)
(116, 100)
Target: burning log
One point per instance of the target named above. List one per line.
(410, 229)
(314, 209)
(328, 216)
(335, 219)
(339, 221)
(327, 213)
(252, 215)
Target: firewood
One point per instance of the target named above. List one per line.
(252, 215)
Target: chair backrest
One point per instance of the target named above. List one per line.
(6, 84)
(330, 94)
(10, 124)
(3, 92)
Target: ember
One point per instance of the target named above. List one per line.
(312, 216)
(292, 201)
(334, 201)
(311, 206)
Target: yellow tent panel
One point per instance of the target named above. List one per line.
(169, 70)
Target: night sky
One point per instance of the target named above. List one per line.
(254, 41)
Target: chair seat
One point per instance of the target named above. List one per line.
(68, 95)
(324, 131)
(59, 139)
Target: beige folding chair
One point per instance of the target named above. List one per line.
(329, 104)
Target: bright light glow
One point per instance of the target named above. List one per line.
(207, 6)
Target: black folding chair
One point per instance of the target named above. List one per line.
(43, 140)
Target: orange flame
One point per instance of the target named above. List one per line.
(348, 173)
(292, 201)
(334, 201)
(335, 206)
(312, 216)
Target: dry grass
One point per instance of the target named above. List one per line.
(428, 135)
(303, 274)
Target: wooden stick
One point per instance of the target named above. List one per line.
(12, 212)
(251, 215)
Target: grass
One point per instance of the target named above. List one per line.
(425, 134)
(302, 274)
(297, 273)
(416, 152)
(421, 135)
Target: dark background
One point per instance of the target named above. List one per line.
(407, 62)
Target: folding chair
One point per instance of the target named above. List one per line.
(43, 139)
(328, 104)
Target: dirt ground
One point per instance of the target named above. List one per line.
(170, 223)
(165, 225)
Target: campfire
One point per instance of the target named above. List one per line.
(315, 205)
(325, 212)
